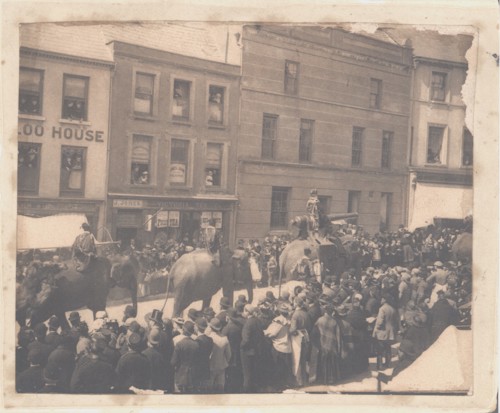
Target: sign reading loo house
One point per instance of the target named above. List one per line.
(67, 133)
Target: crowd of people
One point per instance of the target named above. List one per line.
(402, 288)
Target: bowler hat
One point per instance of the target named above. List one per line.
(193, 314)
(154, 336)
(209, 311)
(188, 327)
(201, 323)
(74, 315)
(215, 324)
(134, 341)
(54, 322)
(225, 303)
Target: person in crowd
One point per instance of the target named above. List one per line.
(385, 330)
(24, 338)
(205, 345)
(224, 304)
(93, 375)
(251, 348)
(60, 366)
(159, 364)
(83, 345)
(134, 368)
(300, 328)
(31, 379)
(302, 268)
(347, 355)
(53, 338)
(184, 359)
(233, 332)
(220, 357)
(442, 315)
(279, 332)
(39, 343)
(356, 317)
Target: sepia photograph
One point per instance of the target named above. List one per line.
(259, 207)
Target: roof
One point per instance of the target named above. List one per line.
(72, 40)
(201, 40)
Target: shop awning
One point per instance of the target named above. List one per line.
(55, 231)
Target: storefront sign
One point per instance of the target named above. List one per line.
(189, 205)
(177, 173)
(162, 219)
(207, 215)
(59, 132)
(57, 206)
(174, 218)
(128, 203)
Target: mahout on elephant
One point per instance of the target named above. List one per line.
(37, 299)
(195, 277)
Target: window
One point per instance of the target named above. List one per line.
(353, 199)
(324, 203)
(435, 145)
(30, 91)
(179, 156)
(269, 134)
(216, 97)
(306, 137)
(141, 160)
(73, 160)
(279, 207)
(375, 93)
(357, 146)
(387, 138)
(213, 165)
(181, 100)
(144, 93)
(75, 91)
(467, 148)
(438, 86)
(28, 167)
(291, 77)
(385, 211)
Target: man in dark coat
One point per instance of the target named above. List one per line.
(184, 359)
(24, 338)
(300, 324)
(233, 330)
(442, 315)
(61, 364)
(202, 366)
(133, 368)
(31, 379)
(92, 375)
(53, 338)
(40, 331)
(252, 338)
(159, 364)
(361, 344)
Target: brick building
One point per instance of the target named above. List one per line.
(174, 123)
(63, 122)
(325, 109)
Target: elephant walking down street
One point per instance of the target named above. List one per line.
(194, 277)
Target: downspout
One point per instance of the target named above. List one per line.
(409, 157)
(108, 151)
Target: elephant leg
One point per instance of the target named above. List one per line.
(249, 286)
(63, 320)
(206, 303)
(133, 293)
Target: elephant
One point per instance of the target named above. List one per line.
(194, 277)
(461, 249)
(71, 290)
(330, 252)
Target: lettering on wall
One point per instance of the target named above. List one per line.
(62, 133)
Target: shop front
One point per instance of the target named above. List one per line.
(147, 220)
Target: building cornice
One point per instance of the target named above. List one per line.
(440, 62)
(28, 52)
(365, 170)
(332, 51)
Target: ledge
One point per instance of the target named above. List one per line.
(75, 122)
(32, 117)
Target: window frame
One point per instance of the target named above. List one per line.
(283, 224)
(387, 155)
(153, 175)
(190, 161)
(361, 131)
(444, 145)
(225, 104)
(295, 90)
(378, 94)
(275, 118)
(87, 87)
(223, 166)
(444, 89)
(311, 140)
(36, 190)
(466, 134)
(150, 162)
(191, 82)
(40, 91)
(74, 192)
(146, 70)
(350, 195)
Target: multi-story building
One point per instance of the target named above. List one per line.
(325, 109)
(174, 124)
(441, 146)
(64, 88)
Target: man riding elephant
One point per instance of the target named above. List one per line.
(212, 241)
(84, 249)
